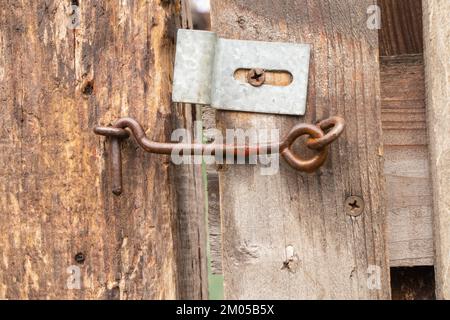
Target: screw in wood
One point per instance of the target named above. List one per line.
(256, 77)
(354, 206)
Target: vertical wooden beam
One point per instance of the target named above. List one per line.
(409, 195)
(214, 229)
(287, 236)
(63, 71)
(191, 228)
(437, 70)
(401, 27)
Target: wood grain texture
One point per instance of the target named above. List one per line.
(408, 181)
(191, 227)
(406, 169)
(55, 198)
(401, 27)
(287, 236)
(437, 75)
(214, 224)
(191, 224)
(214, 227)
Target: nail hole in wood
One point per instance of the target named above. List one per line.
(88, 88)
(80, 257)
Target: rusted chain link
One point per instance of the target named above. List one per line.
(333, 127)
(320, 136)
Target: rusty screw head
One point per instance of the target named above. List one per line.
(354, 206)
(256, 77)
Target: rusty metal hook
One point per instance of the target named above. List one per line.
(319, 142)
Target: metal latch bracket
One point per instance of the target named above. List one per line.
(205, 67)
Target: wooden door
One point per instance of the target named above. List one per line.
(288, 235)
(67, 66)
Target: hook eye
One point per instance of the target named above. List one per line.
(297, 162)
(337, 126)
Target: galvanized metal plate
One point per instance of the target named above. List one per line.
(205, 66)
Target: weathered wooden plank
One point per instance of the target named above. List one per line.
(190, 221)
(406, 170)
(401, 27)
(287, 235)
(214, 226)
(408, 182)
(190, 218)
(437, 70)
(56, 206)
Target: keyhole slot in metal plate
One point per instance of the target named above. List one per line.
(205, 73)
(278, 78)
